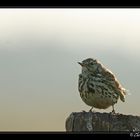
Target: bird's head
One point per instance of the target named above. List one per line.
(89, 64)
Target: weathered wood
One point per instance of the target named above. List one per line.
(95, 121)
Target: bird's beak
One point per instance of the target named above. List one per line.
(81, 64)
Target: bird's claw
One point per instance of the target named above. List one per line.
(91, 110)
(83, 111)
(113, 112)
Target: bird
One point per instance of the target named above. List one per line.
(98, 86)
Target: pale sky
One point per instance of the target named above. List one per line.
(39, 51)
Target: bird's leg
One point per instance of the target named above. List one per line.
(113, 111)
(91, 109)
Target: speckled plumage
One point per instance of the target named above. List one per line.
(98, 86)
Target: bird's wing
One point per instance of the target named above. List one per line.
(115, 83)
(112, 80)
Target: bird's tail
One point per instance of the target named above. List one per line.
(123, 93)
(122, 97)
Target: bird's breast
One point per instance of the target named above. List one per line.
(94, 92)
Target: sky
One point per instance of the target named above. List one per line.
(39, 51)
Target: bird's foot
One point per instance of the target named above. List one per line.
(113, 112)
(91, 110)
(83, 111)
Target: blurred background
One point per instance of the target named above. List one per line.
(39, 51)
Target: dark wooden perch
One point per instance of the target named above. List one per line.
(95, 121)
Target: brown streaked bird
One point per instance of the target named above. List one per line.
(98, 86)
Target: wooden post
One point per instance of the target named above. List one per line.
(95, 121)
